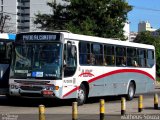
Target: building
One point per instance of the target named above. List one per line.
(126, 30)
(145, 26)
(156, 33)
(132, 36)
(21, 13)
(23, 16)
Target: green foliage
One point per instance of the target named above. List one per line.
(103, 18)
(144, 37)
(148, 38)
(54, 21)
(158, 78)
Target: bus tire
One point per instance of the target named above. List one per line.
(131, 91)
(82, 96)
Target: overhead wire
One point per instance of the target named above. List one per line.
(145, 8)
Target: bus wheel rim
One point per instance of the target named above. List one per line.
(81, 95)
(131, 91)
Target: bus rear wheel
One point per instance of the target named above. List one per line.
(131, 91)
(82, 96)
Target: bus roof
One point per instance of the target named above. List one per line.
(7, 36)
(79, 37)
(105, 40)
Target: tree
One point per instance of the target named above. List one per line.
(148, 38)
(5, 27)
(54, 21)
(103, 18)
(145, 37)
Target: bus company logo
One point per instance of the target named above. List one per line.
(86, 73)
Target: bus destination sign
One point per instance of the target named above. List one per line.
(39, 37)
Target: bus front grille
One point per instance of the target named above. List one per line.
(32, 82)
(31, 88)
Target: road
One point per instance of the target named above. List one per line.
(27, 108)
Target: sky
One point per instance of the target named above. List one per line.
(144, 10)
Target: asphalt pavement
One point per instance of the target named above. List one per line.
(27, 108)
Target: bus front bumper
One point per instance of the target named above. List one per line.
(33, 91)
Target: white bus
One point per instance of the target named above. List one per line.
(66, 65)
(6, 41)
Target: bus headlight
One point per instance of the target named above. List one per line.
(14, 86)
(52, 88)
(49, 88)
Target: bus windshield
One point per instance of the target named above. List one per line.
(37, 60)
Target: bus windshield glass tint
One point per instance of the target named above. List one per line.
(35, 60)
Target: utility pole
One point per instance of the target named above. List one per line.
(1, 19)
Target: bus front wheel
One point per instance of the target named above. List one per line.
(131, 91)
(81, 95)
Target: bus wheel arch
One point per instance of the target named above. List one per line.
(86, 84)
(131, 90)
(83, 93)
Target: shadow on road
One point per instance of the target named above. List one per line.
(33, 102)
(49, 102)
(107, 98)
(151, 108)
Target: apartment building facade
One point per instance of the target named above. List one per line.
(22, 13)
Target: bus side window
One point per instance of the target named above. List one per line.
(150, 58)
(142, 57)
(84, 53)
(120, 56)
(71, 61)
(132, 57)
(97, 54)
(109, 55)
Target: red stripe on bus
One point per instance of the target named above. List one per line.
(121, 71)
(71, 91)
(86, 73)
(112, 73)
